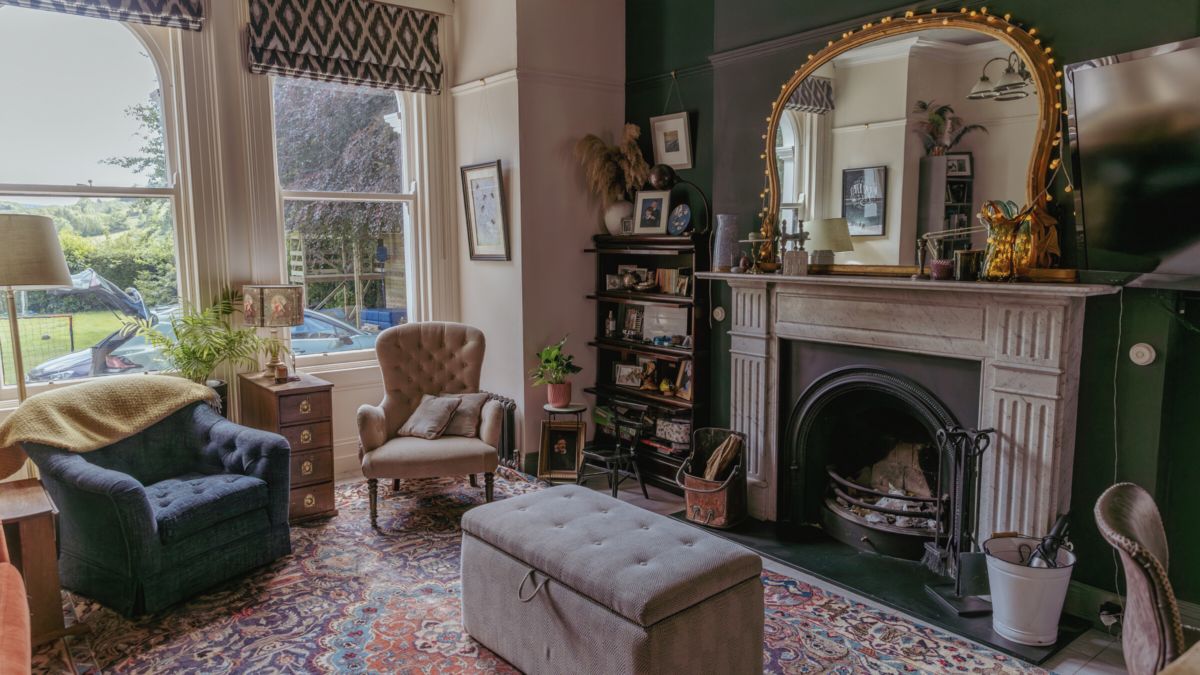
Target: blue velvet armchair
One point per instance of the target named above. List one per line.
(187, 503)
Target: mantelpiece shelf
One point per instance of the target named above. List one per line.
(657, 299)
(656, 250)
(643, 349)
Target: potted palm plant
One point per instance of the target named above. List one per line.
(553, 371)
(202, 339)
(939, 128)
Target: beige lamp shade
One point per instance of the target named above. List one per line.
(31, 259)
(273, 306)
(829, 234)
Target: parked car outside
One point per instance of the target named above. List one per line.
(319, 334)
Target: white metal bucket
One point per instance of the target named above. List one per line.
(1026, 601)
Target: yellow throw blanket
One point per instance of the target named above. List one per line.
(93, 415)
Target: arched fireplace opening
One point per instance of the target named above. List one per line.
(862, 461)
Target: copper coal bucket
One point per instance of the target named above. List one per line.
(711, 503)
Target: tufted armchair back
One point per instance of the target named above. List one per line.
(431, 357)
(1129, 520)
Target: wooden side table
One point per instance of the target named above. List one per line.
(301, 412)
(28, 517)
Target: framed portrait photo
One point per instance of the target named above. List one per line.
(650, 212)
(627, 375)
(672, 142)
(864, 201)
(683, 381)
(561, 450)
(487, 219)
(959, 165)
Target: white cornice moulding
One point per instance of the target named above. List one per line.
(922, 47)
(540, 77)
(444, 7)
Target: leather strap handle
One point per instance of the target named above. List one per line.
(537, 589)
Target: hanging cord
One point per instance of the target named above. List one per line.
(484, 108)
(1116, 444)
(678, 96)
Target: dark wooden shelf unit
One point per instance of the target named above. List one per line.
(653, 252)
(301, 412)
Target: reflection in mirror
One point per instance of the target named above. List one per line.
(905, 136)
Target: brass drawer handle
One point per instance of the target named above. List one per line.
(309, 500)
(306, 468)
(305, 407)
(306, 436)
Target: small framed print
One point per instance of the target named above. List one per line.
(864, 201)
(683, 382)
(627, 375)
(672, 142)
(487, 222)
(626, 227)
(612, 282)
(650, 212)
(959, 165)
(561, 450)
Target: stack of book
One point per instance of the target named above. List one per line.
(674, 281)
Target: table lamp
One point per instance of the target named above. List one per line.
(826, 237)
(31, 259)
(274, 307)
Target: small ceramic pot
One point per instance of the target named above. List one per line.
(942, 269)
(559, 395)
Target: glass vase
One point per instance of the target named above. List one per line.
(1009, 246)
(725, 244)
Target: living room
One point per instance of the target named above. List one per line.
(828, 316)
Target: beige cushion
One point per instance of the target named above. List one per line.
(465, 421)
(430, 418)
(413, 457)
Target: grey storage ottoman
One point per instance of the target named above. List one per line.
(569, 580)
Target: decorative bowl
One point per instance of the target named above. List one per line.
(646, 286)
(942, 269)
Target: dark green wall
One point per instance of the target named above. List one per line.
(1157, 425)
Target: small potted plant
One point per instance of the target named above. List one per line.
(553, 372)
(939, 128)
(201, 339)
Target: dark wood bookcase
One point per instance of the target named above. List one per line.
(653, 252)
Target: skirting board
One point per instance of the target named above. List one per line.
(1084, 600)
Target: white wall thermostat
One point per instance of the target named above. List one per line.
(1142, 354)
(719, 314)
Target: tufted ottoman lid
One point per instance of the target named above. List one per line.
(641, 565)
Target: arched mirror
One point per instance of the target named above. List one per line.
(906, 128)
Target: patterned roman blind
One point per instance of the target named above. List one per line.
(814, 95)
(346, 41)
(185, 14)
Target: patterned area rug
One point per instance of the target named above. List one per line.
(352, 600)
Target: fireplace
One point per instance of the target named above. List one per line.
(859, 451)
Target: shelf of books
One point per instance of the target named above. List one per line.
(652, 344)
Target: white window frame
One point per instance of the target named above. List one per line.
(159, 45)
(404, 125)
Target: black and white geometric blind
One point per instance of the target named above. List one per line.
(814, 95)
(346, 41)
(185, 14)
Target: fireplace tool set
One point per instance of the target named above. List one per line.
(958, 553)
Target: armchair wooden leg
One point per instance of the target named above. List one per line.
(474, 480)
(487, 486)
(395, 485)
(372, 491)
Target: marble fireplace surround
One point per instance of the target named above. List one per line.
(1027, 338)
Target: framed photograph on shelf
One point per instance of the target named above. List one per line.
(864, 201)
(683, 381)
(626, 227)
(650, 212)
(959, 165)
(612, 282)
(561, 450)
(487, 222)
(632, 317)
(672, 142)
(627, 375)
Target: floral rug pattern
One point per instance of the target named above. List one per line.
(353, 600)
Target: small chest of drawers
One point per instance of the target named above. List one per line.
(302, 413)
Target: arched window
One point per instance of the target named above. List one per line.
(788, 152)
(87, 139)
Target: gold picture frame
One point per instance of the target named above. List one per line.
(560, 440)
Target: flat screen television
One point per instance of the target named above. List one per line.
(1134, 129)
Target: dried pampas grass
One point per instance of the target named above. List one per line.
(613, 170)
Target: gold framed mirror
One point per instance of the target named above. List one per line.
(896, 202)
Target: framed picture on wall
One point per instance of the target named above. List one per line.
(650, 212)
(864, 201)
(487, 220)
(959, 165)
(561, 449)
(672, 142)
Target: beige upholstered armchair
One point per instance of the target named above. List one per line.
(433, 358)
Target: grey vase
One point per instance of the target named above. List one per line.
(725, 248)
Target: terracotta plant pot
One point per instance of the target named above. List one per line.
(559, 395)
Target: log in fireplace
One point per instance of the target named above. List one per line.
(861, 445)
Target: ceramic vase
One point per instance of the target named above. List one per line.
(613, 215)
(559, 395)
(725, 248)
